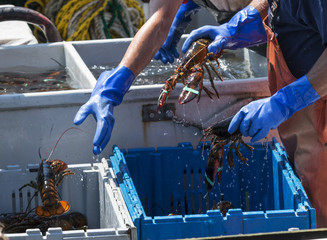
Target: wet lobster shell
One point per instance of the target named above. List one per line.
(189, 70)
(196, 54)
(220, 129)
(220, 138)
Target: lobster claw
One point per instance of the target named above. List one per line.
(162, 98)
(193, 88)
(167, 89)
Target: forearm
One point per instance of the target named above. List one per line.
(150, 37)
(261, 6)
(317, 75)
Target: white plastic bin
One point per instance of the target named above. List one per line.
(92, 191)
(33, 120)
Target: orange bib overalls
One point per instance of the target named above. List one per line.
(304, 135)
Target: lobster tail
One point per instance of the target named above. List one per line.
(48, 211)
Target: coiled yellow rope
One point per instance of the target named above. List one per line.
(136, 5)
(77, 19)
(67, 12)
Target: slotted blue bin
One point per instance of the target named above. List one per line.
(165, 192)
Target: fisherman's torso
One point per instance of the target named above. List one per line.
(301, 30)
(224, 5)
(223, 10)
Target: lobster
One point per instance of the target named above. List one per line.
(20, 222)
(50, 175)
(221, 137)
(190, 72)
(223, 205)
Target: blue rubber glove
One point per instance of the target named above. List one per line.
(245, 29)
(168, 51)
(107, 93)
(258, 117)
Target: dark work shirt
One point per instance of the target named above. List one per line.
(301, 29)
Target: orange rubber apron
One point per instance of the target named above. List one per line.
(304, 135)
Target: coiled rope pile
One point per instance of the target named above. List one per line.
(92, 19)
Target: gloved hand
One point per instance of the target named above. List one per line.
(168, 51)
(258, 117)
(108, 92)
(245, 29)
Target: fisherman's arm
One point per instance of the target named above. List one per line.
(317, 75)
(111, 86)
(151, 36)
(244, 29)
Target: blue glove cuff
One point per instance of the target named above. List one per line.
(246, 28)
(114, 84)
(296, 96)
(186, 11)
(181, 21)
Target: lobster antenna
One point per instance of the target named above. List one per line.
(60, 138)
(40, 153)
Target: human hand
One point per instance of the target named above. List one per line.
(258, 117)
(168, 52)
(108, 92)
(245, 29)
(102, 111)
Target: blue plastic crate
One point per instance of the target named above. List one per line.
(165, 192)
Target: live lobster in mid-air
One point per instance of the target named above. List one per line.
(220, 138)
(190, 72)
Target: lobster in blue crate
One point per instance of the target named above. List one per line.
(190, 71)
(220, 138)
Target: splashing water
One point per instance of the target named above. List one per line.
(231, 67)
(96, 158)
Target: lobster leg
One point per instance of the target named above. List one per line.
(208, 92)
(246, 145)
(200, 90)
(238, 153)
(61, 176)
(31, 184)
(230, 158)
(214, 69)
(211, 78)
